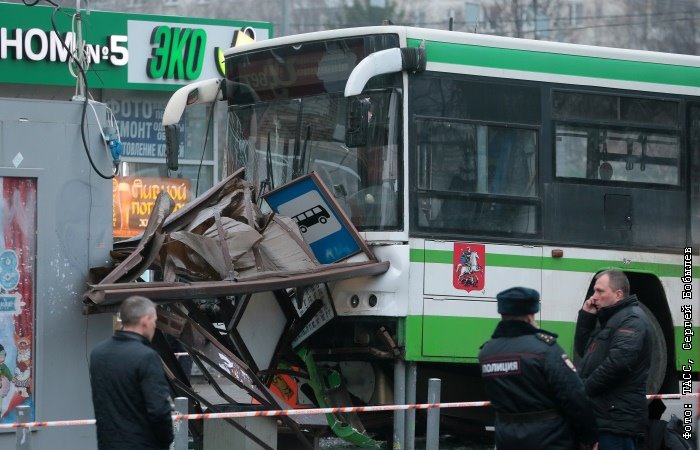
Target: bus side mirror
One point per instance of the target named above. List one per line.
(172, 146)
(357, 123)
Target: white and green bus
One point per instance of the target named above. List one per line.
(473, 164)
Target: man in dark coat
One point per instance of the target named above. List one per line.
(129, 391)
(533, 386)
(612, 335)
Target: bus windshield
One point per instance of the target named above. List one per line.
(288, 118)
(280, 140)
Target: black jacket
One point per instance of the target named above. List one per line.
(538, 397)
(616, 349)
(130, 395)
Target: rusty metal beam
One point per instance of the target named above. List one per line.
(109, 294)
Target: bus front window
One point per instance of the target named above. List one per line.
(280, 140)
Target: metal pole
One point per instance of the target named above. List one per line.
(180, 426)
(432, 435)
(534, 12)
(399, 399)
(285, 17)
(24, 435)
(79, 49)
(411, 374)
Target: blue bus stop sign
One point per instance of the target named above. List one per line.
(320, 224)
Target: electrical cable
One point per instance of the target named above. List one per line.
(83, 76)
(206, 137)
(85, 100)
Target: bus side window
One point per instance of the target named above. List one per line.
(694, 143)
(473, 175)
(511, 161)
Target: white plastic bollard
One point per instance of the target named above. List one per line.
(180, 426)
(24, 435)
(432, 434)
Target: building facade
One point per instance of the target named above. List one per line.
(134, 62)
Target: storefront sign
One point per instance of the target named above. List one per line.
(178, 53)
(140, 124)
(125, 51)
(39, 45)
(133, 199)
(174, 53)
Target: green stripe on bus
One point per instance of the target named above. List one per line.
(461, 337)
(457, 339)
(560, 64)
(548, 263)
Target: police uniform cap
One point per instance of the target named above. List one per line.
(518, 301)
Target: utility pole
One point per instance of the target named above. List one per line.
(535, 17)
(518, 20)
(647, 25)
(285, 17)
(79, 50)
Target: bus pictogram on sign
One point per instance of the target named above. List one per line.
(310, 217)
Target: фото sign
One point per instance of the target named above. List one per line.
(141, 129)
(125, 51)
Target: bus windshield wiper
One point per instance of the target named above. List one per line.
(298, 170)
(269, 181)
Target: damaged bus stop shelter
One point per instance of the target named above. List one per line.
(225, 268)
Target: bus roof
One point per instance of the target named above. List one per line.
(505, 57)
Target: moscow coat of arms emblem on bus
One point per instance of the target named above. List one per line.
(469, 263)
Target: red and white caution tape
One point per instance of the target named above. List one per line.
(57, 423)
(299, 412)
(346, 409)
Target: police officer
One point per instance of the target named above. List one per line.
(538, 397)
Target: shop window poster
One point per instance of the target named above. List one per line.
(17, 266)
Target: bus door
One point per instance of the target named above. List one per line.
(461, 280)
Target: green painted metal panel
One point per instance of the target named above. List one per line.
(565, 333)
(414, 337)
(559, 64)
(463, 336)
(457, 339)
(455, 336)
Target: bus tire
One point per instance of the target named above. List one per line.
(659, 353)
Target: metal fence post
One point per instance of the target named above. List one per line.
(432, 435)
(24, 435)
(411, 375)
(180, 426)
(399, 399)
